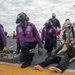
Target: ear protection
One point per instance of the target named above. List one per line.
(22, 17)
(26, 17)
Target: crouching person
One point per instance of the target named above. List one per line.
(27, 38)
(62, 57)
(3, 40)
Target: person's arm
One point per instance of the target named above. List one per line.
(37, 36)
(18, 43)
(73, 32)
(73, 53)
(58, 24)
(42, 35)
(4, 40)
(59, 48)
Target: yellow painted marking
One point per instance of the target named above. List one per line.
(7, 69)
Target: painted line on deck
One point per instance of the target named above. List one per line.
(12, 46)
(10, 63)
(68, 70)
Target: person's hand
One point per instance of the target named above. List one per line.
(40, 51)
(71, 60)
(59, 29)
(18, 49)
(5, 48)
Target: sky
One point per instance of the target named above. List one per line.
(39, 11)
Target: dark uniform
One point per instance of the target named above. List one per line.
(56, 23)
(49, 35)
(62, 58)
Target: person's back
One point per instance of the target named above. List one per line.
(3, 40)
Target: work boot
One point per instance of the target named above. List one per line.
(26, 64)
(49, 55)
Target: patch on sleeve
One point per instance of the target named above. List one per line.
(28, 28)
(20, 29)
(2, 29)
(50, 30)
(45, 29)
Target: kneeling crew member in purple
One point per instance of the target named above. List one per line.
(27, 38)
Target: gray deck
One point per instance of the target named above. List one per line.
(37, 58)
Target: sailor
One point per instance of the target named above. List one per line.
(27, 38)
(49, 35)
(56, 24)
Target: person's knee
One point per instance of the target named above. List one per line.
(24, 47)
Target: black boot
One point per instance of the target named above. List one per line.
(49, 55)
(26, 64)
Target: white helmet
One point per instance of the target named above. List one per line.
(53, 14)
(67, 23)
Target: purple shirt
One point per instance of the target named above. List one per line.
(28, 34)
(48, 33)
(2, 36)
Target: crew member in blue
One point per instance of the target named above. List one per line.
(56, 24)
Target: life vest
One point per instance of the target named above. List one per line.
(26, 35)
(48, 33)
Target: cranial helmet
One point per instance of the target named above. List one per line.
(22, 17)
(53, 14)
(48, 23)
(67, 23)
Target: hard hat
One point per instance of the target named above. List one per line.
(53, 14)
(48, 23)
(22, 17)
(67, 23)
